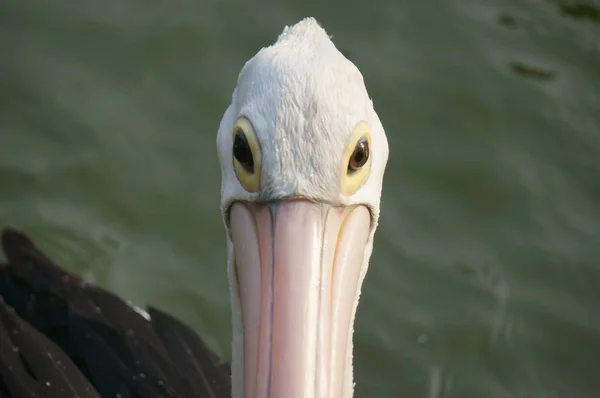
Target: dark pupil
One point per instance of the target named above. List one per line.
(242, 152)
(360, 155)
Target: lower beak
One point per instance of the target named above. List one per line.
(298, 266)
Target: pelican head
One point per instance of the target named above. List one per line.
(302, 156)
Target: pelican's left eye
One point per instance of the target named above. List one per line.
(246, 155)
(356, 162)
(360, 156)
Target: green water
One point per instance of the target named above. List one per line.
(485, 280)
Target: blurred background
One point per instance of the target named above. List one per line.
(485, 280)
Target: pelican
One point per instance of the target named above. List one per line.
(302, 154)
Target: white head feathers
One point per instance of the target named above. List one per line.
(303, 98)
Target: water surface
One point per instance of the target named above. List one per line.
(485, 280)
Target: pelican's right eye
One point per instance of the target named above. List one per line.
(246, 155)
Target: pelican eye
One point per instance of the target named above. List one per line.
(246, 155)
(360, 155)
(242, 151)
(356, 161)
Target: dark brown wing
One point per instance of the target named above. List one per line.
(74, 339)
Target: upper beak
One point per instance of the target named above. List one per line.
(298, 266)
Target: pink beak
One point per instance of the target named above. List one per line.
(299, 267)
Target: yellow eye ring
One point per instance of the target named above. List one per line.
(356, 161)
(246, 155)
